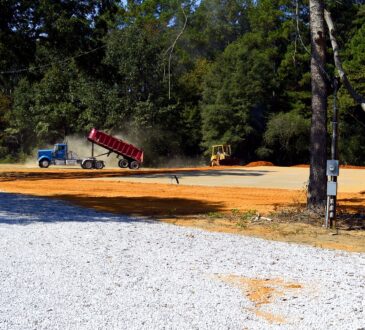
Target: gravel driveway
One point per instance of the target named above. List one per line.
(66, 267)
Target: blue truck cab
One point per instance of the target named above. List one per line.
(61, 155)
(57, 156)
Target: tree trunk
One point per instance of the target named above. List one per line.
(318, 133)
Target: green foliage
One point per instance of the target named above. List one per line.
(214, 25)
(352, 118)
(242, 218)
(239, 74)
(240, 88)
(135, 55)
(287, 135)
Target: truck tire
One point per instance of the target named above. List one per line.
(87, 164)
(123, 163)
(44, 163)
(99, 165)
(134, 165)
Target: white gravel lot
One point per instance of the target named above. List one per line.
(66, 267)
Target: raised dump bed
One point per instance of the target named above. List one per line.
(132, 156)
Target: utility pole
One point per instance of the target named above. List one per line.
(333, 165)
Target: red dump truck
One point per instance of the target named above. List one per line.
(130, 156)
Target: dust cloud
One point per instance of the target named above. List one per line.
(147, 140)
(152, 140)
(82, 147)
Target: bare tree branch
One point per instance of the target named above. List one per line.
(331, 27)
(299, 36)
(171, 49)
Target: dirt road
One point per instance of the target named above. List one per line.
(273, 177)
(155, 192)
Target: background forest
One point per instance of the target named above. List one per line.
(173, 76)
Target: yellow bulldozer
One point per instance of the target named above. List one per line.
(222, 155)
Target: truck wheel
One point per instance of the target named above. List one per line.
(134, 165)
(44, 163)
(123, 163)
(99, 165)
(87, 164)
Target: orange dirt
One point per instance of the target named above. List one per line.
(179, 204)
(262, 292)
(352, 167)
(259, 163)
(341, 166)
(163, 200)
(151, 199)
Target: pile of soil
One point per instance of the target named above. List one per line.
(259, 163)
(341, 166)
(352, 167)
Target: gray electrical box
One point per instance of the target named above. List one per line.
(331, 188)
(333, 168)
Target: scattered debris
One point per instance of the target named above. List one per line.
(176, 178)
(258, 217)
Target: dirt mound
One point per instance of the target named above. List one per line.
(259, 163)
(341, 166)
(353, 167)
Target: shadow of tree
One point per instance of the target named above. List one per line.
(352, 205)
(48, 174)
(145, 205)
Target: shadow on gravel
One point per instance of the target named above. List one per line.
(16, 209)
(25, 209)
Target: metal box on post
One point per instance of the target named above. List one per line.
(331, 188)
(333, 168)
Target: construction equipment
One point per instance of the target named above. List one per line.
(222, 155)
(130, 156)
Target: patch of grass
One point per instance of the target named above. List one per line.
(215, 215)
(299, 215)
(242, 218)
(172, 211)
(236, 217)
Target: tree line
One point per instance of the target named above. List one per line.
(174, 77)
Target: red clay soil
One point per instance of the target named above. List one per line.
(179, 204)
(259, 163)
(341, 166)
(151, 199)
